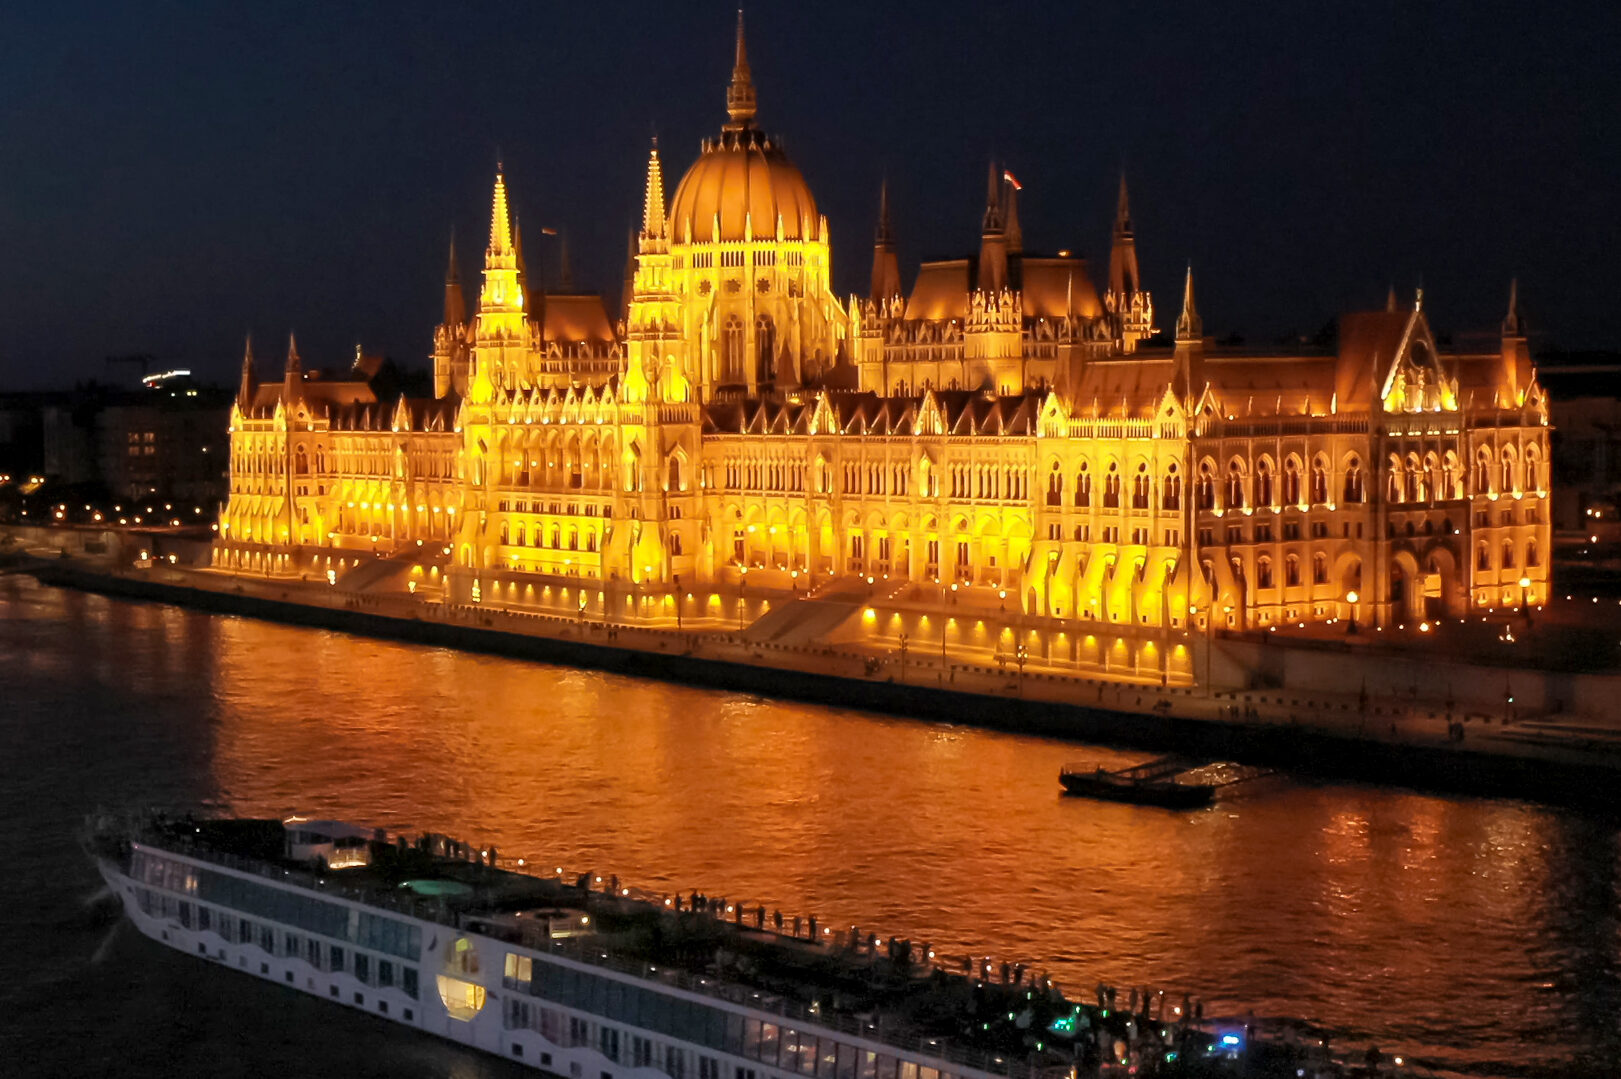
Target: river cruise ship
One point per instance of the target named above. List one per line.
(584, 978)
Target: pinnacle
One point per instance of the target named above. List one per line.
(740, 102)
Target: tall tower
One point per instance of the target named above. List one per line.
(656, 353)
(450, 349)
(993, 238)
(500, 330)
(886, 270)
(1127, 301)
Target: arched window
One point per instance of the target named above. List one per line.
(731, 350)
(1533, 468)
(1111, 488)
(1508, 554)
(1483, 472)
(765, 349)
(1532, 557)
(1171, 490)
(1263, 572)
(1319, 569)
(1353, 481)
(1055, 486)
(1508, 483)
(1205, 493)
(301, 463)
(1235, 486)
(1083, 486)
(1394, 489)
(1139, 488)
(675, 474)
(1319, 482)
(1263, 482)
(1483, 556)
(1291, 482)
(1291, 571)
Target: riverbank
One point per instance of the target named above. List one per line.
(1383, 741)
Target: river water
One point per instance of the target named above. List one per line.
(1478, 936)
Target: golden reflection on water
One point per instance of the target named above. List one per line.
(1415, 919)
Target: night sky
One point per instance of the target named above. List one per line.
(175, 176)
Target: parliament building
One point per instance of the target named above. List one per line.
(1008, 436)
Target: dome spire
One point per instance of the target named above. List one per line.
(740, 94)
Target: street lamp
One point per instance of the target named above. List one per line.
(1350, 599)
(903, 657)
(1021, 655)
(742, 589)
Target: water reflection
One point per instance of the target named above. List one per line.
(1484, 934)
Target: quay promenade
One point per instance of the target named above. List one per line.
(1435, 737)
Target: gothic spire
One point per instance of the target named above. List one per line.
(886, 271)
(500, 219)
(1514, 322)
(885, 235)
(455, 301)
(993, 201)
(1189, 327)
(565, 272)
(1124, 277)
(740, 102)
(250, 383)
(653, 221)
(294, 365)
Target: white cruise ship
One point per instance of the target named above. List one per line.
(581, 978)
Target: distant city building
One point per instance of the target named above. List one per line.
(1586, 413)
(167, 439)
(1004, 430)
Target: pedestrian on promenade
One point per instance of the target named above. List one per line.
(776, 916)
(797, 924)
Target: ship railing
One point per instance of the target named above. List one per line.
(893, 1034)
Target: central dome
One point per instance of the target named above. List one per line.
(742, 177)
(742, 182)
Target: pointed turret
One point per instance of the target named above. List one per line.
(1517, 371)
(1189, 327)
(1124, 278)
(654, 225)
(293, 375)
(565, 271)
(886, 271)
(455, 301)
(993, 201)
(740, 103)
(250, 382)
(993, 238)
(500, 219)
(1514, 321)
(1189, 346)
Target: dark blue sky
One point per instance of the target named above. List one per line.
(177, 175)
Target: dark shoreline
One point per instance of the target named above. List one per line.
(1296, 750)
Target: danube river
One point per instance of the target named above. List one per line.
(1479, 936)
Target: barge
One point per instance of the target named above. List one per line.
(589, 979)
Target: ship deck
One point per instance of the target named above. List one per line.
(1000, 1020)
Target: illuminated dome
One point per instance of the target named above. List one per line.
(742, 175)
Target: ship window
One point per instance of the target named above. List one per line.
(462, 1000)
(362, 968)
(385, 974)
(336, 956)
